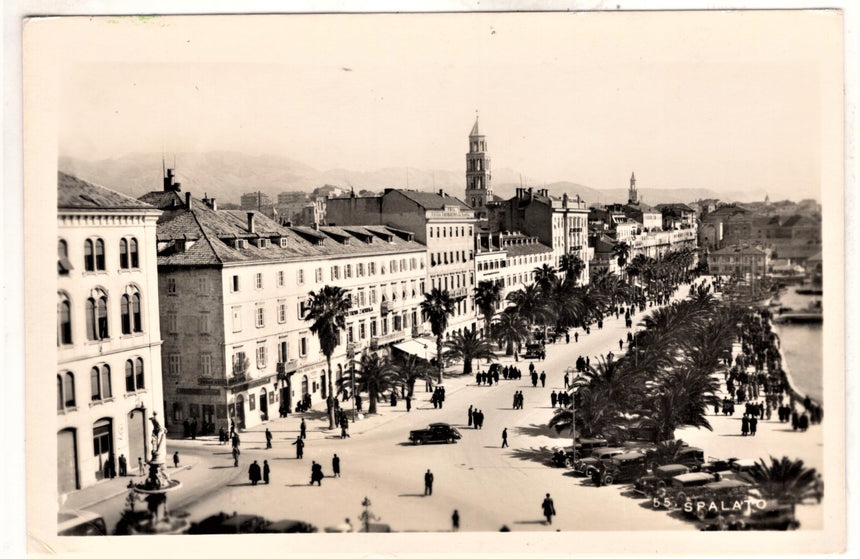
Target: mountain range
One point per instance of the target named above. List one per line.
(227, 175)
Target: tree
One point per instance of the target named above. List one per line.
(783, 479)
(621, 251)
(437, 306)
(510, 329)
(572, 266)
(468, 346)
(488, 294)
(327, 312)
(410, 368)
(375, 376)
(530, 303)
(544, 276)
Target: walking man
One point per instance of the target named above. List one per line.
(504, 437)
(428, 483)
(620, 345)
(553, 398)
(548, 508)
(254, 473)
(576, 337)
(123, 466)
(745, 425)
(266, 472)
(268, 439)
(235, 457)
(566, 381)
(140, 469)
(316, 474)
(470, 416)
(455, 520)
(409, 403)
(335, 465)
(753, 425)
(543, 379)
(176, 459)
(303, 428)
(300, 446)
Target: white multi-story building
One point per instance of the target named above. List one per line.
(234, 288)
(108, 339)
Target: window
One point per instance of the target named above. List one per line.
(171, 286)
(359, 270)
(392, 265)
(258, 281)
(350, 337)
(203, 286)
(319, 275)
(177, 411)
(281, 278)
(100, 254)
(95, 384)
(347, 271)
(64, 320)
(261, 356)
(206, 364)
(371, 268)
(100, 384)
(96, 316)
(172, 323)
(282, 351)
(261, 316)
(300, 276)
(129, 376)
(373, 296)
(204, 323)
(123, 253)
(89, 258)
(303, 346)
(252, 401)
(361, 298)
(431, 232)
(235, 283)
(373, 328)
(65, 390)
(412, 263)
(174, 364)
(362, 331)
(335, 272)
(237, 319)
(132, 249)
(138, 373)
(282, 312)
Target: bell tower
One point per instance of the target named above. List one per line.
(478, 186)
(632, 194)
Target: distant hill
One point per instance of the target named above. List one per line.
(227, 175)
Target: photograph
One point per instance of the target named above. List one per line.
(551, 274)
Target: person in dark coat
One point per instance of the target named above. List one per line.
(566, 381)
(543, 379)
(794, 420)
(470, 417)
(428, 482)
(455, 520)
(534, 379)
(803, 422)
(504, 437)
(176, 459)
(409, 403)
(316, 474)
(745, 425)
(268, 438)
(235, 456)
(344, 427)
(548, 508)
(300, 447)
(303, 429)
(553, 398)
(254, 473)
(123, 466)
(576, 337)
(235, 440)
(335, 465)
(266, 472)
(753, 425)
(393, 399)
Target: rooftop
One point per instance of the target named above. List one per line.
(74, 193)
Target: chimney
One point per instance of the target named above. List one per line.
(188, 201)
(564, 200)
(441, 192)
(168, 181)
(251, 222)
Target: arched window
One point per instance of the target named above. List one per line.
(135, 313)
(100, 254)
(90, 315)
(61, 401)
(125, 314)
(123, 253)
(133, 253)
(106, 384)
(138, 374)
(69, 390)
(64, 320)
(102, 315)
(129, 376)
(89, 259)
(95, 384)
(64, 266)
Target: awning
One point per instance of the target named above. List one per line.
(419, 347)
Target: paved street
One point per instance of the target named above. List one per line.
(489, 486)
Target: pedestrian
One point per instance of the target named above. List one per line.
(303, 428)
(534, 379)
(176, 459)
(428, 483)
(794, 420)
(268, 439)
(553, 398)
(455, 520)
(300, 446)
(504, 437)
(576, 337)
(344, 428)
(521, 400)
(803, 422)
(140, 469)
(567, 337)
(745, 425)
(123, 465)
(266, 472)
(235, 440)
(316, 474)
(110, 466)
(235, 457)
(480, 419)
(753, 425)
(335, 465)
(543, 379)
(566, 381)
(620, 345)
(548, 508)
(409, 403)
(393, 399)
(470, 416)
(254, 473)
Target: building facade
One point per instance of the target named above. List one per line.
(108, 336)
(745, 262)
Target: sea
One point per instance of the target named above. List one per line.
(801, 346)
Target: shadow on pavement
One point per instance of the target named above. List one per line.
(412, 495)
(529, 522)
(535, 430)
(542, 455)
(221, 467)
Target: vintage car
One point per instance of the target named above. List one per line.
(80, 523)
(690, 456)
(585, 465)
(622, 468)
(714, 465)
(535, 351)
(717, 497)
(289, 527)
(771, 516)
(684, 488)
(223, 523)
(567, 457)
(435, 433)
(660, 478)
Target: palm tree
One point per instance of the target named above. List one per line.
(410, 368)
(468, 346)
(327, 311)
(544, 276)
(621, 251)
(488, 294)
(511, 329)
(530, 303)
(375, 376)
(437, 306)
(572, 266)
(666, 452)
(784, 480)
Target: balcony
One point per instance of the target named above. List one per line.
(391, 337)
(287, 368)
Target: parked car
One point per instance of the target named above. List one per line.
(623, 468)
(80, 523)
(660, 478)
(289, 527)
(682, 489)
(773, 516)
(585, 465)
(535, 351)
(690, 456)
(435, 433)
(714, 465)
(223, 523)
(717, 497)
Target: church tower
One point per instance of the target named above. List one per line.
(632, 194)
(478, 188)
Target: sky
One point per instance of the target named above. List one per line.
(720, 100)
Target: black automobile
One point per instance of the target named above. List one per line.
(661, 478)
(435, 433)
(623, 468)
(289, 527)
(223, 523)
(535, 351)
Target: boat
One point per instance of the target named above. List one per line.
(812, 313)
(809, 291)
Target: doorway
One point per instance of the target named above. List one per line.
(240, 412)
(136, 435)
(102, 445)
(67, 461)
(264, 405)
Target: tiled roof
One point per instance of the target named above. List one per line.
(526, 249)
(73, 193)
(735, 249)
(432, 200)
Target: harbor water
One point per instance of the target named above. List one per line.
(801, 346)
